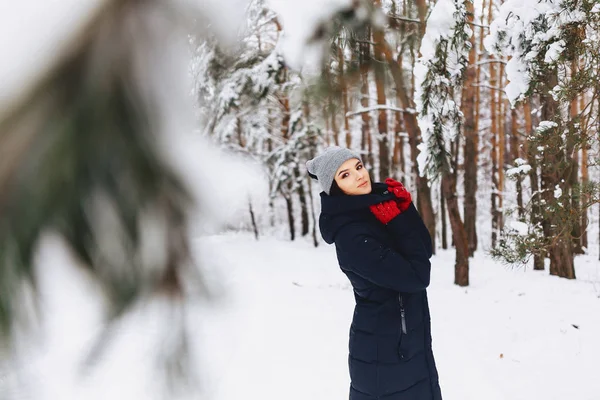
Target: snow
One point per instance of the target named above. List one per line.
(439, 25)
(554, 51)
(32, 51)
(516, 35)
(520, 170)
(508, 31)
(518, 80)
(521, 227)
(300, 20)
(557, 192)
(546, 125)
(375, 107)
(519, 161)
(278, 328)
(230, 14)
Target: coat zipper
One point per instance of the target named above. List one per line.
(402, 315)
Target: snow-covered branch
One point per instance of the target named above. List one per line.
(380, 107)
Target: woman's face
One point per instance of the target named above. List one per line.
(353, 178)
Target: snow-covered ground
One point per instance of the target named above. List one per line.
(279, 331)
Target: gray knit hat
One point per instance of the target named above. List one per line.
(324, 166)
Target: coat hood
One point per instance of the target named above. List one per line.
(337, 211)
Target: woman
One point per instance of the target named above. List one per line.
(384, 248)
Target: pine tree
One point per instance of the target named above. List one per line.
(545, 66)
(445, 52)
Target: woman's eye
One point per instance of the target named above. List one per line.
(359, 167)
(345, 175)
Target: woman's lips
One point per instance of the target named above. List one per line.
(363, 184)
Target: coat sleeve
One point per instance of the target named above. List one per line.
(409, 231)
(407, 272)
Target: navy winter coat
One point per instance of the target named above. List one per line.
(388, 266)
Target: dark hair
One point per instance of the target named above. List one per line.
(335, 189)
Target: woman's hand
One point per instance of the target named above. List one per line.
(403, 196)
(386, 211)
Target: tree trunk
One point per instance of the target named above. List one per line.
(520, 209)
(398, 161)
(422, 11)
(344, 88)
(585, 180)
(303, 206)
(334, 129)
(561, 258)
(271, 213)
(461, 267)
(470, 148)
(515, 153)
(455, 152)
(584, 175)
(494, 135)
(285, 130)
(536, 212)
(284, 100)
(574, 175)
(312, 212)
(443, 218)
(501, 149)
(240, 132)
(560, 252)
(252, 219)
(329, 115)
(327, 128)
(382, 120)
(290, 214)
(364, 102)
(270, 129)
(547, 189)
(311, 153)
(424, 203)
(576, 233)
(494, 159)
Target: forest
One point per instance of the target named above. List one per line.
(159, 232)
(487, 111)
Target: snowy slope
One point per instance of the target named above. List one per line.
(279, 331)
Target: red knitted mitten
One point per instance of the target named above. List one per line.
(403, 196)
(386, 211)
